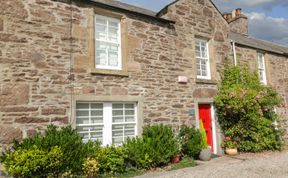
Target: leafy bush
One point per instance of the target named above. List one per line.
(245, 111)
(192, 141)
(90, 167)
(67, 139)
(160, 139)
(34, 162)
(112, 160)
(203, 134)
(139, 153)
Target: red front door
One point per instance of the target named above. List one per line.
(205, 116)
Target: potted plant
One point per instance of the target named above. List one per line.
(205, 154)
(230, 146)
(177, 157)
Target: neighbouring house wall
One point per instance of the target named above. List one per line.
(276, 74)
(239, 25)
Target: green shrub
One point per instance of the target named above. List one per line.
(139, 153)
(67, 139)
(161, 140)
(90, 167)
(245, 111)
(203, 134)
(112, 160)
(34, 162)
(192, 141)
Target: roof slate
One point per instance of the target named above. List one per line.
(258, 44)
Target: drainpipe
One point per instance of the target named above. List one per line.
(234, 52)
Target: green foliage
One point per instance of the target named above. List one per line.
(139, 153)
(90, 167)
(245, 111)
(229, 143)
(34, 162)
(185, 162)
(160, 139)
(192, 141)
(112, 160)
(203, 134)
(67, 139)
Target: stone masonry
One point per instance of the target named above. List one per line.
(47, 50)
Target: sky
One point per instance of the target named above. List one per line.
(268, 19)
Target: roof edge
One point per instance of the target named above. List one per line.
(111, 7)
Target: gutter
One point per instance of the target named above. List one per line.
(234, 53)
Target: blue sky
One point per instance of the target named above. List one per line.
(268, 19)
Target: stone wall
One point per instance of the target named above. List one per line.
(46, 63)
(34, 66)
(47, 59)
(239, 25)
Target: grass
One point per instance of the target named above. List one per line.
(185, 162)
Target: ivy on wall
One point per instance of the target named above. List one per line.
(246, 111)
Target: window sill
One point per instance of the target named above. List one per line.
(123, 73)
(206, 81)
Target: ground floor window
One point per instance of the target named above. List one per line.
(109, 122)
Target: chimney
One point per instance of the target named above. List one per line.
(238, 12)
(237, 21)
(225, 15)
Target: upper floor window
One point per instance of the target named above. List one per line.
(109, 122)
(202, 59)
(261, 68)
(107, 43)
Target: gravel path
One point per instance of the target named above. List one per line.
(274, 165)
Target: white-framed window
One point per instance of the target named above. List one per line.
(107, 43)
(261, 68)
(109, 122)
(202, 59)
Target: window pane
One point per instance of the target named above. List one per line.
(100, 20)
(82, 106)
(101, 32)
(118, 119)
(129, 112)
(91, 116)
(96, 106)
(97, 113)
(84, 120)
(113, 35)
(82, 113)
(129, 119)
(96, 120)
(117, 113)
(116, 105)
(113, 24)
(113, 58)
(129, 106)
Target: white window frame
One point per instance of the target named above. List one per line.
(208, 77)
(108, 121)
(260, 56)
(119, 67)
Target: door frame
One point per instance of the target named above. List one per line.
(213, 120)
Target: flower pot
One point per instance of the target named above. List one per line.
(231, 151)
(205, 154)
(175, 159)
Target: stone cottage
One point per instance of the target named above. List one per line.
(109, 68)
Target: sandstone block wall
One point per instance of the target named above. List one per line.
(47, 59)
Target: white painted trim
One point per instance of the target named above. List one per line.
(262, 58)
(107, 120)
(213, 122)
(208, 77)
(119, 67)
